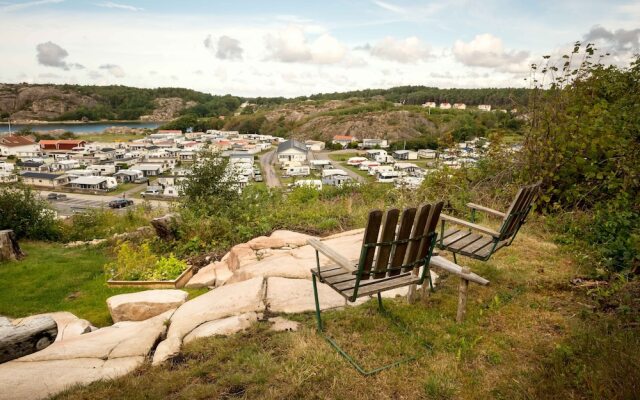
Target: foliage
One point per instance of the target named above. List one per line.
(98, 223)
(139, 263)
(583, 144)
(27, 214)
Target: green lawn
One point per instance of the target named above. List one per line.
(54, 278)
(111, 137)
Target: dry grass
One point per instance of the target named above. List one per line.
(529, 335)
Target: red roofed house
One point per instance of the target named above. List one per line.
(343, 140)
(19, 146)
(61, 144)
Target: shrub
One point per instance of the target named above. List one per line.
(27, 214)
(136, 263)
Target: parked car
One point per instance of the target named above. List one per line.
(56, 196)
(120, 203)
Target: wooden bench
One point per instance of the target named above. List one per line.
(396, 251)
(479, 242)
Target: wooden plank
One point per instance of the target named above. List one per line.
(478, 244)
(477, 227)
(432, 223)
(486, 210)
(418, 229)
(462, 297)
(485, 251)
(453, 268)
(346, 285)
(450, 231)
(406, 223)
(370, 236)
(329, 274)
(387, 234)
(376, 287)
(332, 254)
(462, 243)
(454, 238)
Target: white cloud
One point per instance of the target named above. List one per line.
(114, 70)
(621, 40)
(291, 45)
(408, 50)
(226, 48)
(52, 55)
(126, 7)
(29, 4)
(488, 51)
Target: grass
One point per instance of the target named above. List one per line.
(528, 335)
(111, 137)
(54, 278)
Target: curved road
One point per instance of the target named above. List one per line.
(266, 163)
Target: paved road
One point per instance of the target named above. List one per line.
(324, 155)
(266, 163)
(77, 202)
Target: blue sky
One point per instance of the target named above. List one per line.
(289, 48)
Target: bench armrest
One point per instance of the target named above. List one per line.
(477, 227)
(486, 210)
(332, 255)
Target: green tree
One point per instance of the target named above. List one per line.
(22, 210)
(211, 183)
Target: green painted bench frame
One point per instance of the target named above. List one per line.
(394, 248)
(482, 245)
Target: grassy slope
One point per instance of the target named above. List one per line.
(530, 334)
(54, 278)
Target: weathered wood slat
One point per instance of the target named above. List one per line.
(450, 231)
(432, 223)
(467, 224)
(478, 244)
(387, 234)
(332, 254)
(453, 268)
(486, 210)
(404, 231)
(466, 241)
(387, 284)
(418, 229)
(370, 236)
(486, 251)
(463, 233)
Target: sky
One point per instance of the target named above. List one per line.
(292, 48)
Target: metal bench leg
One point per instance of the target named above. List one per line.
(315, 297)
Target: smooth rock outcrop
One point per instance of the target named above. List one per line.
(296, 295)
(241, 254)
(292, 239)
(103, 354)
(144, 305)
(223, 327)
(284, 266)
(264, 242)
(205, 277)
(225, 301)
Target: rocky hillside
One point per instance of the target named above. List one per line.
(40, 102)
(28, 103)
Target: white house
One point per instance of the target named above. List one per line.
(429, 104)
(343, 140)
(405, 155)
(150, 169)
(94, 183)
(445, 106)
(18, 146)
(314, 145)
(484, 107)
(129, 175)
(371, 143)
(292, 150)
(460, 106)
(44, 179)
(427, 153)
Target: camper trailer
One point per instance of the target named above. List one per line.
(298, 171)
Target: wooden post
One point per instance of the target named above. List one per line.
(9, 247)
(462, 296)
(25, 338)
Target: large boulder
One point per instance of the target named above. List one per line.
(264, 242)
(222, 327)
(296, 295)
(285, 266)
(146, 304)
(205, 277)
(225, 301)
(241, 254)
(292, 239)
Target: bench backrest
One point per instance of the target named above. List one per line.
(518, 211)
(395, 243)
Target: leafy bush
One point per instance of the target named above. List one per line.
(98, 224)
(22, 210)
(135, 263)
